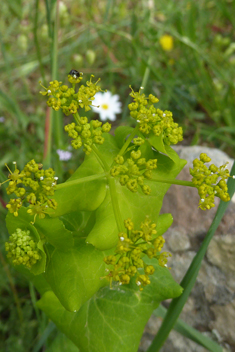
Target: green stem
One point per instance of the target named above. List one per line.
(100, 158)
(37, 42)
(76, 117)
(128, 141)
(51, 115)
(80, 180)
(56, 117)
(146, 73)
(55, 43)
(173, 181)
(47, 141)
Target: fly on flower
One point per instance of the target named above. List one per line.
(75, 73)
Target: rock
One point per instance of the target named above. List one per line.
(224, 321)
(190, 153)
(221, 252)
(177, 241)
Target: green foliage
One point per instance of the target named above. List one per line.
(52, 229)
(86, 196)
(133, 205)
(82, 231)
(97, 232)
(78, 280)
(61, 343)
(194, 74)
(112, 320)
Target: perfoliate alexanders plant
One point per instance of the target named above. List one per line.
(76, 240)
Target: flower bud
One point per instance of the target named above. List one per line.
(90, 56)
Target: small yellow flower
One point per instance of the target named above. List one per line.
(166, 42)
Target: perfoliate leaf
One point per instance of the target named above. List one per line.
(52, 229)
(163, 223)
(75, 275)
(104, 234)
(79, 222)
(38, 281)
(62, 344)
(158, 144)
(85, 196)
(112, 320)
(121, 134)
(55, 232)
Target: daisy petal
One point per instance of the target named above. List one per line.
(109, 106)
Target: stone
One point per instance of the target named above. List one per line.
(221, 252)
(177, 240)
(224, 321)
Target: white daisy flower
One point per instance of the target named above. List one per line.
(108, 104)
(64, 155)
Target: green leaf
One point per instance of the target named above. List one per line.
(136, 206)
(164, 222)
(158, 144)
(121, 134)
(52, 229)
(172, 154)
(39, 281)
(109, 149)
(112, 320)
(74, 275)
(80, 222)
(85, 196)
(55, 232)
(21, 222)
(62, 344)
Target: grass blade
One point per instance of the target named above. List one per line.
(49, 329)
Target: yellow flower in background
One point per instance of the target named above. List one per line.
(166, 42)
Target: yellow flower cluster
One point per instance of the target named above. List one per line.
(86, 134)
(67, 99)
(33, 185)
(132, 245)
(22, 249)
(133, 172)
(210, 181)
(154, 120)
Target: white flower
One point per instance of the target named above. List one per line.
(64, 155)
(108, 104)
(2, 119)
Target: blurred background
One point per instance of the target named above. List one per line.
(184, 51)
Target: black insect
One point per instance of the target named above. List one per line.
(74, 73)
